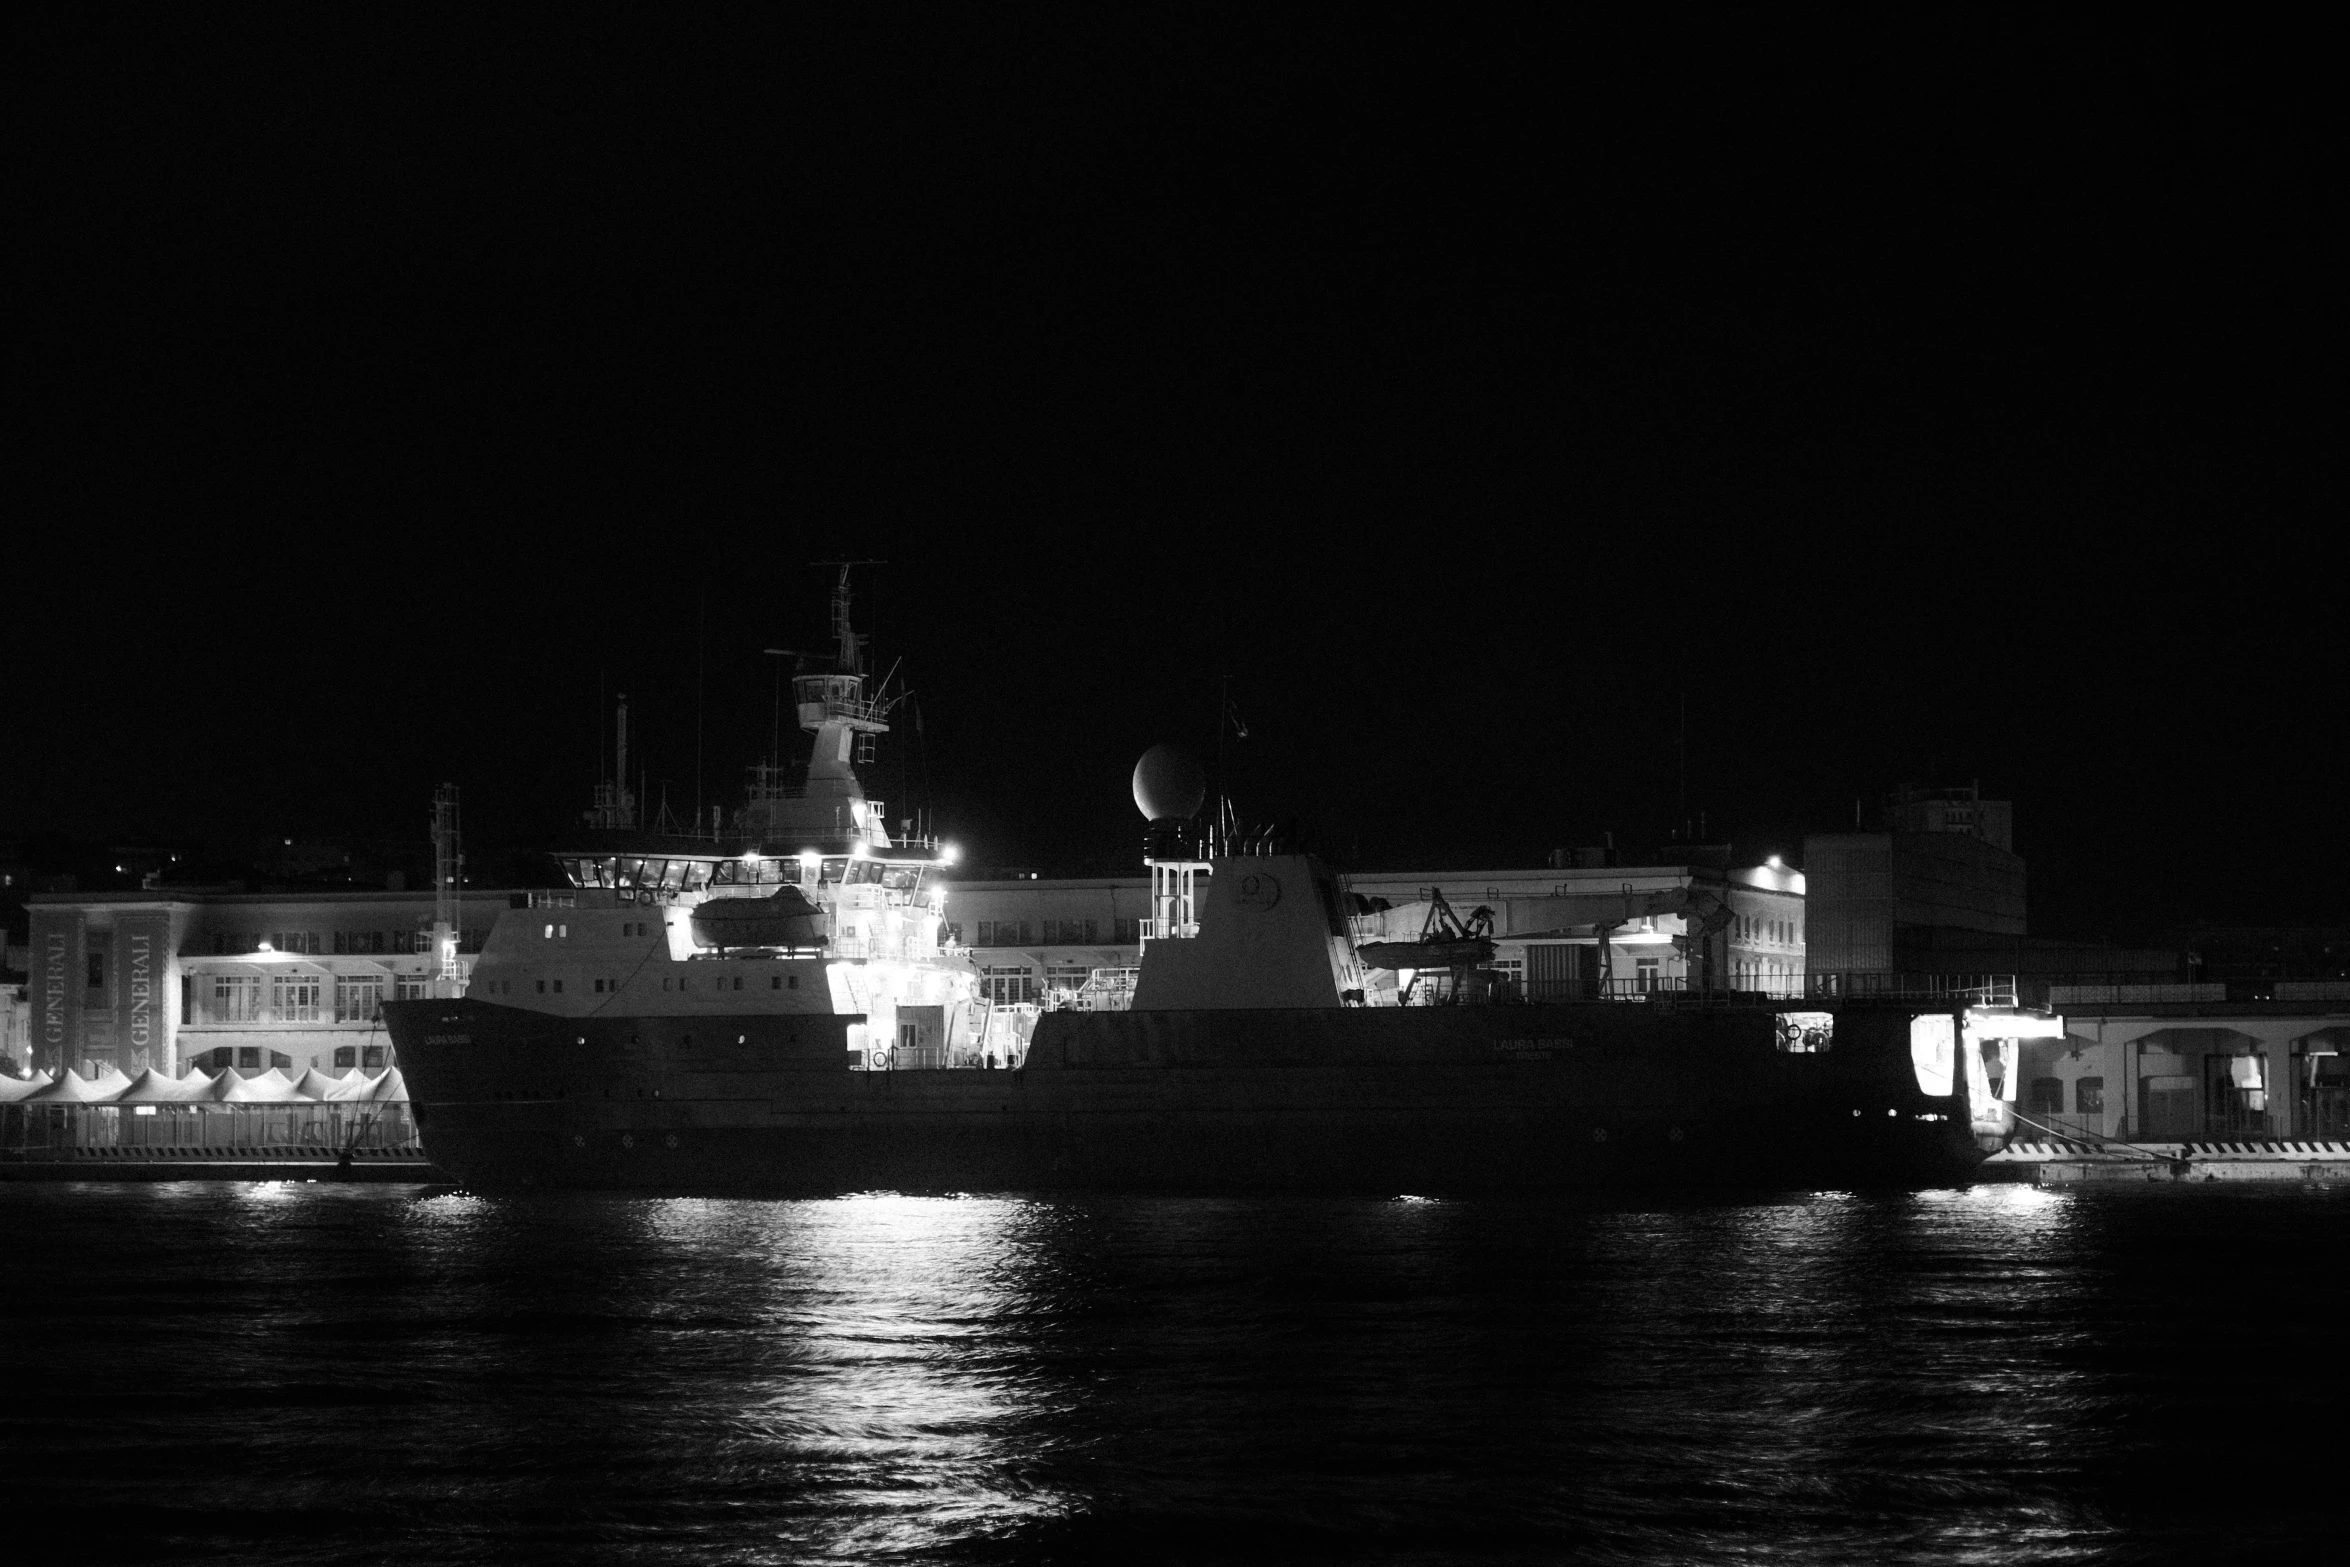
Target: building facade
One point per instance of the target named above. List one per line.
(171, 978)
(2183, 1062)
(16, 1027)
(1557, 931)
(1940, 875)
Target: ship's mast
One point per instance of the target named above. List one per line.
(448, 870)
(837, 711)
(615, 806)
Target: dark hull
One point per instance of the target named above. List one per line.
(1423, 1100)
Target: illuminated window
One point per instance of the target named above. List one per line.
(1008, 986)
(236, 998)
(295, 997)
(358, 999)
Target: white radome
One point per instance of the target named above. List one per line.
(1169, 784)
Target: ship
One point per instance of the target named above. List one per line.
(782, 1012)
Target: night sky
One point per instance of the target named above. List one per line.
(1919, 406)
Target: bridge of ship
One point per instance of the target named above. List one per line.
(654, 878)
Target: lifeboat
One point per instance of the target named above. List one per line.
(785, 918)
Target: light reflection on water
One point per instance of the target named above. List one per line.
(323, 1373)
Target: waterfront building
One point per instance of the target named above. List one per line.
(2176, 1061)
(1557, 930)
(1937, 889)
(170, 978)
(1891, 900)
(16, 1026)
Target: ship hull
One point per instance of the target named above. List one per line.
(1434, 1101)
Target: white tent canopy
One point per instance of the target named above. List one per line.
(314, 1084)
(152, 1087)
(13, 1089)
(75, 1089)
(272, 1087)
(361, 1089)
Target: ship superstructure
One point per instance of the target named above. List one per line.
(806, 906)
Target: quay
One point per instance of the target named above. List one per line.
(202, 1127)
(2063, 1162)
(364, 1165)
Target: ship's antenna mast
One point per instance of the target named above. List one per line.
(448, 870)
(850, 660)
(701, 671)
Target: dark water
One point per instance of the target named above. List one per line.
(321, 1373)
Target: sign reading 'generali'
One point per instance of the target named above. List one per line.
(56, 964)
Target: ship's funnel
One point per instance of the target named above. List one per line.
(1169, 784)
